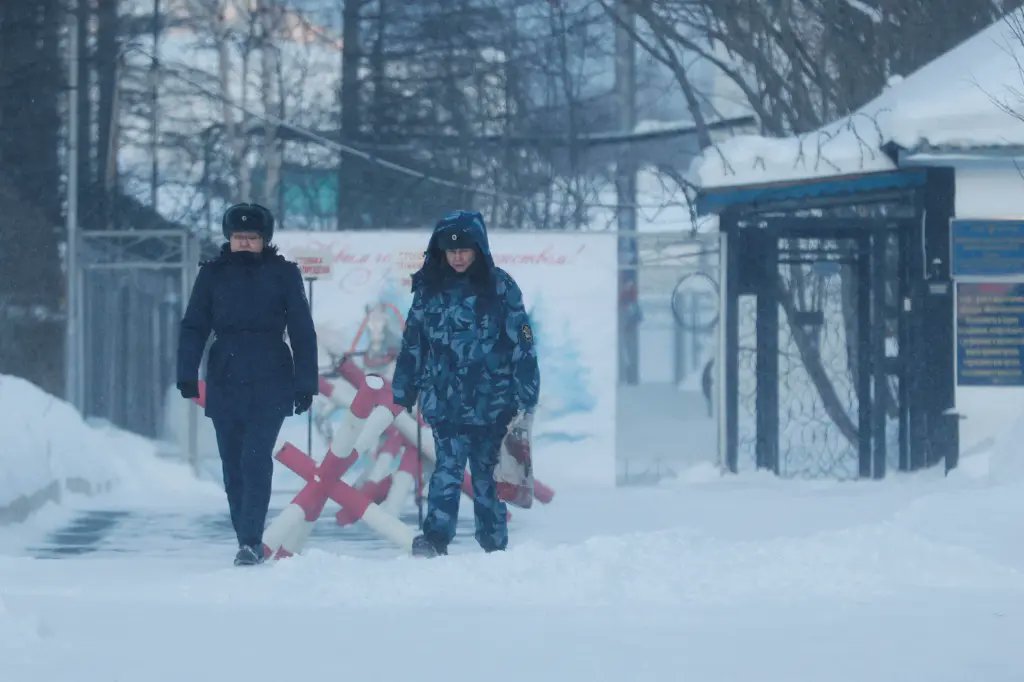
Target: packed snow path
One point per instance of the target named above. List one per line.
(100, 532)
(736, 578)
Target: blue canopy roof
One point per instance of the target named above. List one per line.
(813, 191)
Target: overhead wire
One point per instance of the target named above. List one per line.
(346, 149)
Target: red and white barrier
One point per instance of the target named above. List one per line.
(340, 393)
(288, 533)
(355, 503)
(376, 478)
(403, 482)
(368, 416)
(375, 481)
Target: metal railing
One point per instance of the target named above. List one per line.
(132, 287)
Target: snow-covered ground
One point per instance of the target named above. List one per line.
(703, 577)
(48, 452)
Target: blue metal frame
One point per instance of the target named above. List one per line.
(753, 216)
(845, 187)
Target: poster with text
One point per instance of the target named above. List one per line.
(990, 334)
(569, 284)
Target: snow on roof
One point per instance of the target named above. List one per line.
(951, 102)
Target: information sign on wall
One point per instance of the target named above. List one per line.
(990, 334)
(987, 248)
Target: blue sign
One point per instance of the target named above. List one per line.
(987, 248)
(990, 334)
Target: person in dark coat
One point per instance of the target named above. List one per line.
(468, 347)
(247, 297)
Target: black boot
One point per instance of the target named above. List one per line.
(249, 555)
(423, 546)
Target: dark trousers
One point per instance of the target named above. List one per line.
(246, 454)
(455, 445)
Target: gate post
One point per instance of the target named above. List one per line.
(728, 367)
(880, 404)
(767, 363)
(937, 333)
(189, 266)
(865, 403)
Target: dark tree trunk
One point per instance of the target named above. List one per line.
(86, 213)
(106, 75)
(350, 109)
(31, 85)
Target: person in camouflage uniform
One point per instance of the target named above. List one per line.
(469, 349)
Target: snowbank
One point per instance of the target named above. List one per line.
(665, 583)
(956, 101)
(1003, 460)
(48, 450)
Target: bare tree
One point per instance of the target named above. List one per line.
(32, 85)
(801, 63)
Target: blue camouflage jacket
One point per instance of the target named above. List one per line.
(468, 345)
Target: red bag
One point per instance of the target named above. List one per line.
(514, 472)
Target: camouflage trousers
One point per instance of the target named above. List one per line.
(455, 446)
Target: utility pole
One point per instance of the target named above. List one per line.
(72, 339)
(350, 59)
(273, 105)
(625, 189)
(154, 83)
(108, 68)
(86, 191)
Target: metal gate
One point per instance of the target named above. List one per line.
(133, 286)
(820, 322)
(667, 343)
(674, 310)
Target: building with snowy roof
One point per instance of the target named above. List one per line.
(933, 160)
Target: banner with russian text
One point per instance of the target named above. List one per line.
(990, 334)
(569, 283)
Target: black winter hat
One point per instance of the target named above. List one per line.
(248, 218)
(458, 229)
(455, 238)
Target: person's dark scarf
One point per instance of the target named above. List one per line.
(227, 256)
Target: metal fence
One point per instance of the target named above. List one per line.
(676, 306)
(666, 418)
(132, 287)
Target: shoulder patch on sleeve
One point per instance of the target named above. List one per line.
(526, 333)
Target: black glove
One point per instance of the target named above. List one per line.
(189, 389)
(302, 402)
(406, 403)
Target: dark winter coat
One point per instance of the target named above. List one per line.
(468, 345)
(248, 301)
